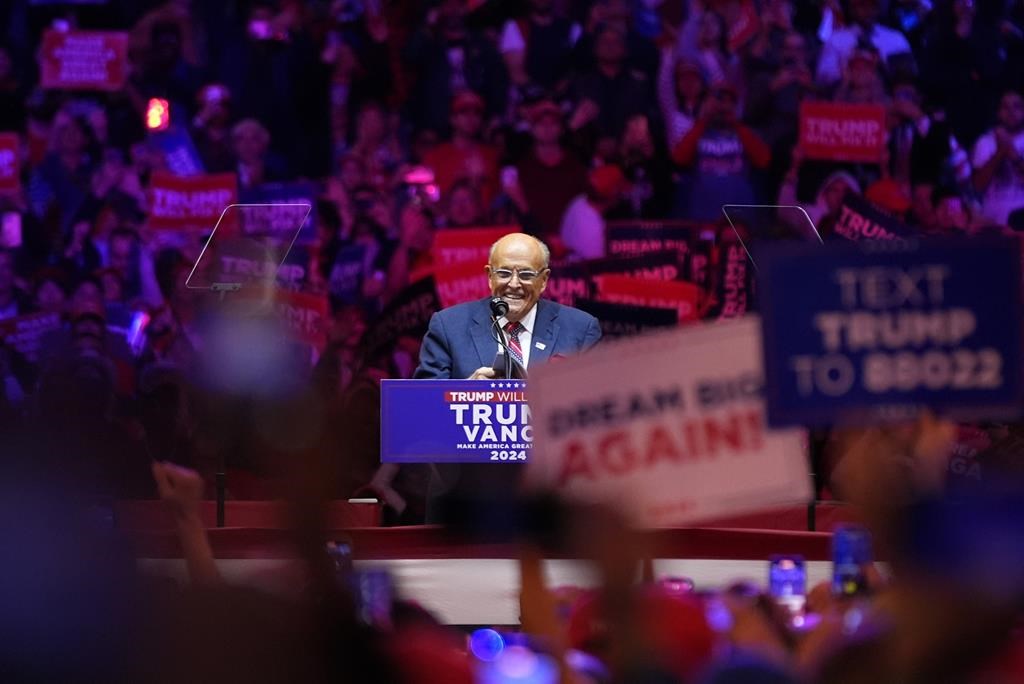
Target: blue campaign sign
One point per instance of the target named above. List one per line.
(454, 421)
(875, 331)
(179, 151)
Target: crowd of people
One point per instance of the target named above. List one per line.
(76, 608)
(409, 118)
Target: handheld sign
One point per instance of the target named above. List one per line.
(193, 203)
(274, 208)
(669, 426)
(84, 60)
(454, 421)
(842, 131)
(408, 315)
(870, 331)
(625, 320)
(305, 316)
(180, 153)
(460, 282)
(860, 220)
(633, 238)
(25, 333)
(668, 294)
(461, 245)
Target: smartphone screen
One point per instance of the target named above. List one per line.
(787, 582)
(851, 551)
(11, 230)
(374, 595)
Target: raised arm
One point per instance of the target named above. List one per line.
(182, 489)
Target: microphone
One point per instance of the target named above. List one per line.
(499, 307)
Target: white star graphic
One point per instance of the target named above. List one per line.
(492, 385)
(516, 385)
(500, 385)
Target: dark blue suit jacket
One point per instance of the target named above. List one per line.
(459, 339)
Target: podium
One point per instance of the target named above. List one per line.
(455, 421)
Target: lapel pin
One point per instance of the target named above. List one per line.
(540, 345)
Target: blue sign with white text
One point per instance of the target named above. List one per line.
(454, 421)
(879, 331)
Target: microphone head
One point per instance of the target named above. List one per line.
(499, 307)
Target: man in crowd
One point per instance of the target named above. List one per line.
(998, 161)
(465, 157)
(841, 44)
(538, 48)
(549, 175)
(612, 93)
(721, 155)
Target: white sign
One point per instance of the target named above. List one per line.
(669, 426)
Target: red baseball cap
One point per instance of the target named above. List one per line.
(608, 181)
(889, 195)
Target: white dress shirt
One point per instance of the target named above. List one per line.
(525, 336)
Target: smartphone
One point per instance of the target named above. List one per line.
(851, 552)
(374, 595)
(787, 582)
(10, 230)
(340, 553)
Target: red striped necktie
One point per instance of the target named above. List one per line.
(514, 348)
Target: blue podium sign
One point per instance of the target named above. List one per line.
(454, 421)
(876, 331)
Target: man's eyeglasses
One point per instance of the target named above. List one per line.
(503, 275)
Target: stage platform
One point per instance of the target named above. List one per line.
(468, 584)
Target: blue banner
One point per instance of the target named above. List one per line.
(877, 331)
(454, 421)
(179, 151)
(345, 281)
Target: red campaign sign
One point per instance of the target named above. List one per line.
(25, 333)
(305, 315)
(458, 245)
(189, 202)
(842, 132)
(84, 60)
(463, 282)
(10, 167)
(746, 26)
(734, 281)
(663, 294)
